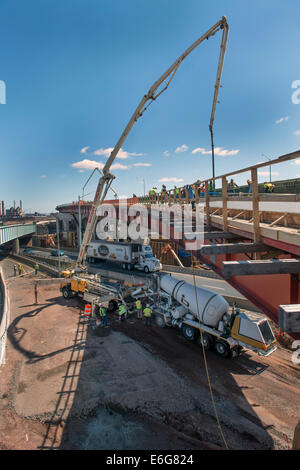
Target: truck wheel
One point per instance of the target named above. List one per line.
(190, 333)
(222, 348)
(208, 341)
(124, 265)
(129, 267)
(146, 269)
(159, 321)
(66, 292)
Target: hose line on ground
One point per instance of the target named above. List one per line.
(205, 363)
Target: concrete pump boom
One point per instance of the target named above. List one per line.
(107, 178)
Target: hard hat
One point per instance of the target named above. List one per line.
(147, 305)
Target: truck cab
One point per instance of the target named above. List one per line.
(148, 263)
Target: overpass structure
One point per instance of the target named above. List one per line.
(10, 233)
(251, 240)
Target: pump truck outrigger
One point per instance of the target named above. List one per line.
(173, 303)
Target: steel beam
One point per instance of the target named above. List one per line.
(233, 248)
(256, 267)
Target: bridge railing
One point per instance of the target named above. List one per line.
(204, 190)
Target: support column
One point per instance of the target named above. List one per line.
(16, 246)
(255, 206)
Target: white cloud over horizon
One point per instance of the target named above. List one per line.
(169, 180)
(182, 148)
(122, 154)
(166, 153)
(286, 118)
(84, 149)
(142, 164)
(218, 151)
(92, 164)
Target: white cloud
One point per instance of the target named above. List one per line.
(88, 164)
(84, 149)
(282, 119)
(182, 148)
(218, 151)
(197, 150)
(167, 153)
(91, 165)
(142, 164)
(43, 176)
(297, 132)
(122, 154)
(119, 166)
(169, 180)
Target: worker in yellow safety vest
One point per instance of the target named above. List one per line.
(147, 315)
(102, 312)
(138, 306)
(122, 312)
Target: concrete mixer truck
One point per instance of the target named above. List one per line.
(177, 303)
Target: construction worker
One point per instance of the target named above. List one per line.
(36, 268)
(269, 187)
(176, 190)
(20, 267)
(138, 306)
(122, 312)
(147, 315)
(232, 186)
(15, 270)
(103, 315)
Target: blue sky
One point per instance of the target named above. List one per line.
(75, 70)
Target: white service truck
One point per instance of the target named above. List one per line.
(197, 310)
(131, 255)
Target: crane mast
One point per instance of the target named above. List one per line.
(153, 93)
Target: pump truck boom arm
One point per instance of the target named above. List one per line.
(107, 178)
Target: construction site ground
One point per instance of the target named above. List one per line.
(63, 386)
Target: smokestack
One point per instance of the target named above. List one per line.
(0, 210)
(21, 206)
(14, 204)
(3, 210)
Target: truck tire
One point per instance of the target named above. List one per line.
(66, 292)
(160, 321)
(124, 265)
(222, 349)
(190, 333)
(208, 341)
(146, 269)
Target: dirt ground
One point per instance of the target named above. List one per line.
(133, 387)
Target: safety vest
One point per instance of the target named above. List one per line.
(36, 266)
(122, 309)
(147, 312)
(87, 310)
(102, 312)
(176, 191)
(138, 304)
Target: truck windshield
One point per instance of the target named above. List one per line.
(266, 332)
(148, 256)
